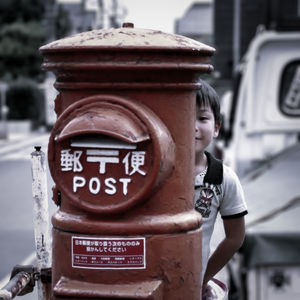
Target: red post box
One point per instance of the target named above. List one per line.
(122, 156)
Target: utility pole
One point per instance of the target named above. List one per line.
(100, 15)
(236, 33)
(3, 110)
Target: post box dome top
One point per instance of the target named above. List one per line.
(126, 38)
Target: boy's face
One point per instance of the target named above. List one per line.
(206, 129)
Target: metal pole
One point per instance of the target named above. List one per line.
(99, 14)
(41, 219)
(3, 111)
(236, 33)
(15, 286)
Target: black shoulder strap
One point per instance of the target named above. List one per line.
(214, 174)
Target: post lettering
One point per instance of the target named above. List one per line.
(125, 182)
(78, 182)
(94, 185)
(109, 183)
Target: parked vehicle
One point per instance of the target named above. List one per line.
(261, 142)
(262, 115)
(270, 265)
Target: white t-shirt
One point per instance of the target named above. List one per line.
(226, 198)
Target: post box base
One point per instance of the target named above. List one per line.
(167, 265)
(72, 289)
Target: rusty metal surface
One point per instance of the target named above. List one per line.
(15, 286)
(135, 39)
(173, 259)
(132, 224)
(151, 289)
(102, 59)
(103, 119)
(135, 123)
(136, 87)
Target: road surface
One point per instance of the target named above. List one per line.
(16, 205)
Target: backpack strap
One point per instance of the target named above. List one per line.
(214, 174)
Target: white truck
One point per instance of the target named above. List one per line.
(262, 115)
(261, 142)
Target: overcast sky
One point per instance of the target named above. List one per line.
(153, 14)
(156, 14)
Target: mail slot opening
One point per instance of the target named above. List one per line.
(100, 141)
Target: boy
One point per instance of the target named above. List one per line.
(217, 188)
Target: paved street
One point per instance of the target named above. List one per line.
(16, 205)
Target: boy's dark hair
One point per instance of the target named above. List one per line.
(207, 96)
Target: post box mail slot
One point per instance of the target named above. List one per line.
(107, 154)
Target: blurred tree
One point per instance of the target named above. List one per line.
(19, 56)
(21, 34)
(23, 31)
(21, 10)
(24, 101)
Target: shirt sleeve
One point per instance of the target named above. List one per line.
(233, 202)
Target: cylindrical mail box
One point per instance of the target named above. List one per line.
(121, 154)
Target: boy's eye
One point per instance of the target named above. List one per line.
(203, 118)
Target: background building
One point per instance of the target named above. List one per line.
(230, 25)
(197, 22)
(237, 21)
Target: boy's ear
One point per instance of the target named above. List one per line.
(217, 129)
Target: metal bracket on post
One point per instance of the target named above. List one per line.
(30, 271)
(22, 281)
(19, 284)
